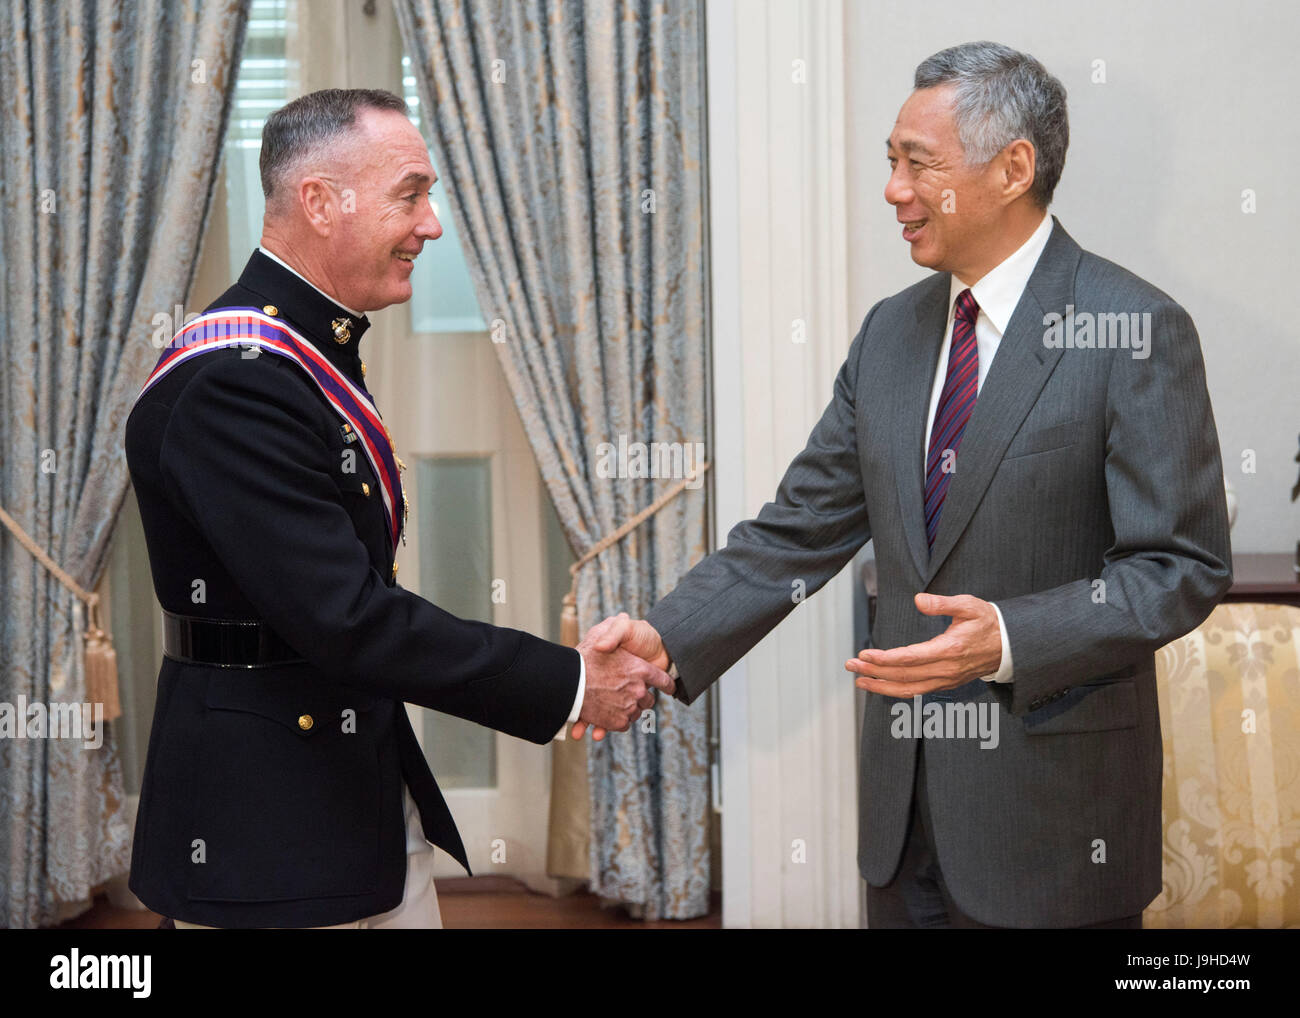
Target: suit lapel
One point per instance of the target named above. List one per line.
(911, 404)
(1016, 377)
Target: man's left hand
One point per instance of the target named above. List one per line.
(970, 648)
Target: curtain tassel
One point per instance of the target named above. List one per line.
(569, 617)
(99, 657)
(101, 667)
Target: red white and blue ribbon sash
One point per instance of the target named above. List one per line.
(249, 328)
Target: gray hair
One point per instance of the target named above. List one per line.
(305, 126)
(1002, 95)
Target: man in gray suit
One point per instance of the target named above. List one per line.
(1027, 437)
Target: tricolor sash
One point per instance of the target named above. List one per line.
(251, 328)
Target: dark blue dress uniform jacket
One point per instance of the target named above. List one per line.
(251, 815)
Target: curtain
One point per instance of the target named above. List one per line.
(112, 122)
(571, 138)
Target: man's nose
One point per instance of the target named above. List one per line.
(897, 190)
(429, 227)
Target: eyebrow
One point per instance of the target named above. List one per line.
(908, 145)
(415, 179)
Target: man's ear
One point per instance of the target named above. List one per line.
(1018, 162)
(316, 199)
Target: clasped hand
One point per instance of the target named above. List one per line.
(626, 662)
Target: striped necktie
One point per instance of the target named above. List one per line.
(955, 405)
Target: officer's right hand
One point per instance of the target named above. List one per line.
(620, 685)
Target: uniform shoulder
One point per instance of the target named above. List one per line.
(243, 380)
(236, 296)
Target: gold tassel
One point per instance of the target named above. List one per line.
(101, 667)
(569, 617)
(99, 657)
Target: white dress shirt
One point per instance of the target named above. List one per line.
(997, 295)
(582, 665)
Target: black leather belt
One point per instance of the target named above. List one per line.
(225, 644)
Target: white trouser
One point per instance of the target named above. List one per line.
(419, 907)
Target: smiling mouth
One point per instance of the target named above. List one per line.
(405, 256)
(911, 229)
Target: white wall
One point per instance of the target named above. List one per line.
(1199, 104)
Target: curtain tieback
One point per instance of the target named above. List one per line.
(569, 613)
(100, 657)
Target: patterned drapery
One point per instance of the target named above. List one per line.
(113, 116)
(571, 138)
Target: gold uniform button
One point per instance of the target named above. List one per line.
(365, 489)
(394, 570)
(363, 369)
(305, 722)
(270, 309)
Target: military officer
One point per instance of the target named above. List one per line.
(283, 784)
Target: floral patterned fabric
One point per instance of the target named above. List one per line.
(571, 138)
(1230, 714)
(112, 122)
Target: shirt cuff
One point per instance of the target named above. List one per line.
(577, 700)
(1003, 674)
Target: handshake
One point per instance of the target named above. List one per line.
(625, 662)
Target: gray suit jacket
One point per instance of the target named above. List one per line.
(1077, 465)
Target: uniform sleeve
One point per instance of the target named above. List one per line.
(245, 458)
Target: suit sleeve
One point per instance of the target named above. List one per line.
(1170, 561)
(243, 456)
(795, 545)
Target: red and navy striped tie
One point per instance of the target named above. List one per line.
(955, 405)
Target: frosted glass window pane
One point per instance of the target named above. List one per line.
(455, 512)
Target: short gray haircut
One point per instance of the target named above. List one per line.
(305, 126)
(1002, 95)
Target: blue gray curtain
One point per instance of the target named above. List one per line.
(571, 137)
(113, 115)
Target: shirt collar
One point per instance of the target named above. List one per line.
(999, 291)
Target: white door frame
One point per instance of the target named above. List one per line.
(778, 253)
